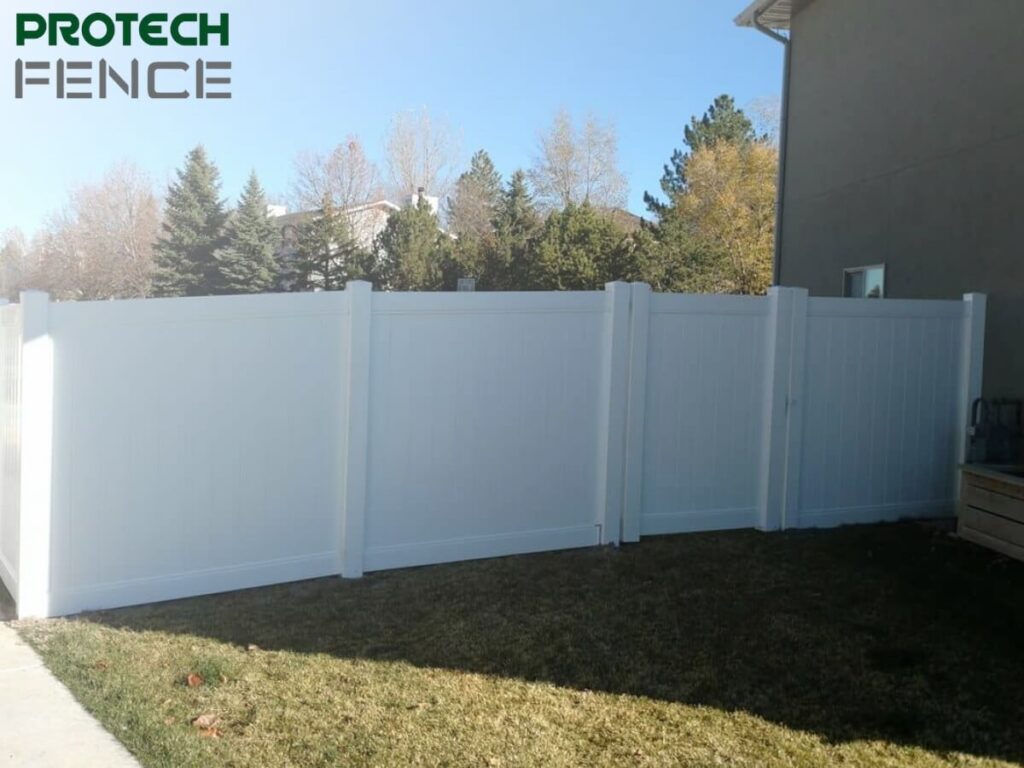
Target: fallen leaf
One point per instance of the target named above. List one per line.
(210, 733)
(209, 720)
(169, 720)
(223, 678)
(102, 665)
(194, 680)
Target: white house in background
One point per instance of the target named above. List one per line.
(366, 221)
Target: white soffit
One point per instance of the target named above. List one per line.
(774, 14)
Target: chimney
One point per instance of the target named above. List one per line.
(432, 202)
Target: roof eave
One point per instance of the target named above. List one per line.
(774, 14)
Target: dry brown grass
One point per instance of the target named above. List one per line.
(887, 645)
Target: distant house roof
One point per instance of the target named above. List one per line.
(774, 14)
(387, 205)
(300, 217)
(623, 219)
(293, 219)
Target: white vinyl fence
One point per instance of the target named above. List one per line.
(10, 444)
(154, 449)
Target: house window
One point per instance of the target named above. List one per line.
(864, 282)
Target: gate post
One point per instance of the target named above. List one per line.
(795, 411)
(612, 423)
(36, 439)
(784, 370)
(972, 351)
(357, 420)
(639, 324)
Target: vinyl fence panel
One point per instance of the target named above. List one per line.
(197, 445)
(10, 444)
(484, 425)
(165, 448)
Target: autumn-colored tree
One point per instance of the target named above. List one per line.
(721, 122)
(724, 218)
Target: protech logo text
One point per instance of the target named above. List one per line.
(87, 79)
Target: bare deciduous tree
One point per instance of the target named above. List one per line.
(578, 165)
(15, 263)
(422, 152)
(347, 176)
(765, 113)
(100, 245)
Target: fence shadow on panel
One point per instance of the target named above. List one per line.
(896, 633)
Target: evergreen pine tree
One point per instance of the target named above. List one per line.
(246, 263)
(713, 233)
(412, 252)
(722, 122)
(581, 249)
(471, 210)
(509, 260)
(193, 227)
(477, 193)
(328, 254)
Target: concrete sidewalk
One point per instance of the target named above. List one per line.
(41, 725)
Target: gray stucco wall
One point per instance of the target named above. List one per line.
(906, 146)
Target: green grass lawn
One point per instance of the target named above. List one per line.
(880, 645)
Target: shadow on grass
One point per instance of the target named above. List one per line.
(896, 632)
(8, 610)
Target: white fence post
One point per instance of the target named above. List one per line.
(795, 409)
(612, 427)
(357, 415)
(33, 596)
(780, 469)
(971, 369)
(640, 313)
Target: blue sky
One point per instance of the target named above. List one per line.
(308, 73)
